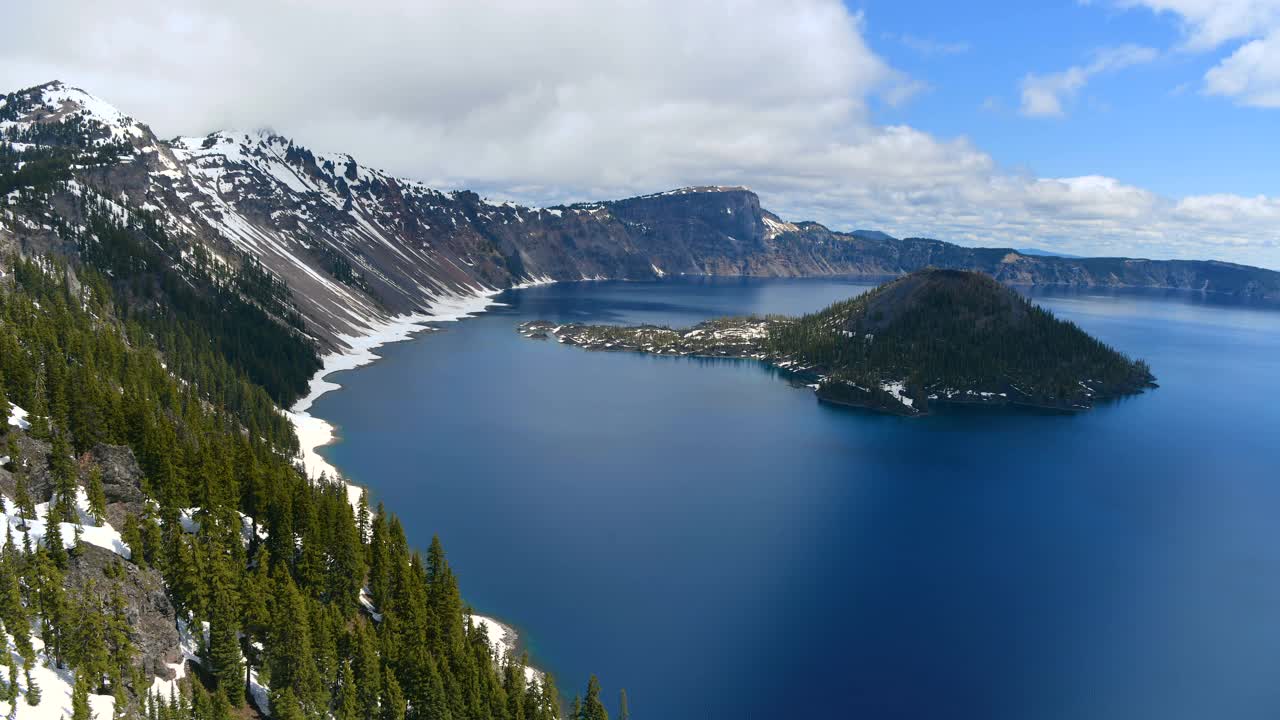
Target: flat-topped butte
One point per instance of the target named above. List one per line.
(932, 337)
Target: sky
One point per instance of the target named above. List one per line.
(1143, 128)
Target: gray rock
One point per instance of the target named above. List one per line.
(150, 615)
(121, 481)
(35, 458)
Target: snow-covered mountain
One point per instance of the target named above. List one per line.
(357, 246)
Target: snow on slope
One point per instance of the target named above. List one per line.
(55, 691)
(314, 432)
(56, 685)
(503, 639)
(104, 536)
(18, 417)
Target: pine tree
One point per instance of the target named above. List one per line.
(131, 536)
(53, 539)
(223, 656)
(290, 661)
(365, 667)
(97, 496)
(592, 707)
(11, 691)
(80, 698)
(624, 713)
(379, 560)
(33, 690)
(393, 705)
(120, 708)
(347, 702)
(285, 706)
(62, 506)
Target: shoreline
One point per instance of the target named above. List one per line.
(314, 432)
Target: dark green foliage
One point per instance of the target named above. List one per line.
(80, 699)
(97, 497)
(273, 559)
(943, 329)
(339, 267)
(592, 708)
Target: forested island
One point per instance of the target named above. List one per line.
(932, 337)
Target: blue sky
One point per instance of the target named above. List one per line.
(1142, 128)
(1150, 125)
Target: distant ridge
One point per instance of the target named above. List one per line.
(1036, 252)
(356, 246)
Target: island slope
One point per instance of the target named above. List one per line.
(930, 337)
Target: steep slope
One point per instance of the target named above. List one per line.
(356, 246)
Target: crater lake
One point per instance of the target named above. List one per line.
(722, 545)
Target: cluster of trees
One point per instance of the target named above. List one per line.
(276, 564)
(339, 267)
(213, 321)
(953, 329)
(127, 338)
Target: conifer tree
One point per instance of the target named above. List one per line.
(22, 495)
(392, 705)
(365, 667)
(53, 539)
(379, 559)
(289, 653)
(62, 505)
(347, 702)
(285, 706)
(624, 712)
(120, 709)
(223, 656)
(97, 496)
(33, 690)
(592, 707)
(80, 698)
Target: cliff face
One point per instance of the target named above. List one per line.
(356, 245)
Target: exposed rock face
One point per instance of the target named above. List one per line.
(152, 628)
(121, 476)
(356, 245)
(34, 456)
(121, 480)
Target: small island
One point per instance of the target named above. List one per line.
(933, 337)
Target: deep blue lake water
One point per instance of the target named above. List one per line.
(723, 546)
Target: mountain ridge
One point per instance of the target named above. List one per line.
(358, 246)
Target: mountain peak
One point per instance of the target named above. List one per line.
(56, 101)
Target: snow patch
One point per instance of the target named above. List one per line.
(314, 432)
(502, 638)
(18, 418)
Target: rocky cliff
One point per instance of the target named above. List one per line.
(356, 245)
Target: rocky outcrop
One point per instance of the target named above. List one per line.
(150, 615)
(121, 480)
(121, 475)
(33, 455)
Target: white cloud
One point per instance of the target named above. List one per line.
(1210, 23)
(582, 99)
(1250, 74)
(1043, 95)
